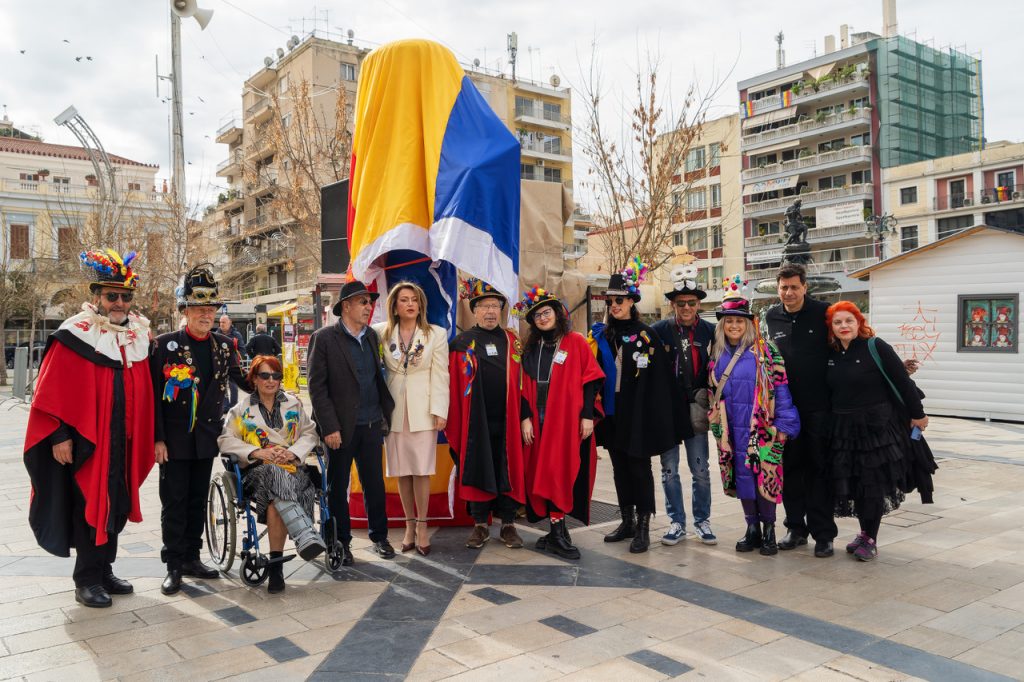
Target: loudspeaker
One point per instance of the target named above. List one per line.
(189, 8)
(334, 252)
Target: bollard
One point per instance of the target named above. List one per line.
(19, 390)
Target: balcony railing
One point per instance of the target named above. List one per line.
(815, 268)
(865, 190)
(257, 105)
(814, 234)
(1002, 194)
(537, 111)
(857, 153)
(539, 147)
(68, 190)
(538, 174)
(952, 202)
(810, 125)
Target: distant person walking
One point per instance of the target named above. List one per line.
(263, 343)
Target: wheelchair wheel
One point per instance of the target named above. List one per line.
(253, 570)
(221, 520)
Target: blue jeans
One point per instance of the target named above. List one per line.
(697, 459)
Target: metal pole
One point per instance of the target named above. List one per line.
(177, 135)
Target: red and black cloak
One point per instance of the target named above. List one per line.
(560, 466)
(467, 431)
(98, 402)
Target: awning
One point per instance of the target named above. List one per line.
(777, 147)
(819, 71)
(282, 310)
(770, 185)
(771, 84)
(770, 117)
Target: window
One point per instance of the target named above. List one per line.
(831, 145)
(862, 140)
(61, 185)
(861, 177)
(697, 239)
(282, 279)
(552, 112)
(552, 175)
(134, 186)
(834, 182)
(716, 196)
(765, 229)
(716, 236)
(527, 172)
(859, 103)
(524, 106)
(1005, 179)
(282, 84)
(679, 238)
(948, 226)
(67, 243)
(286, 121)
(957, 190)
(553, 145)
(908, 238)
(988, 323)
(696, 200)
(348, 72)
(715, 149)
(694, 159)
(766, 160)
(716, 276)
(19, 246)
(908, 195)
(677, 199)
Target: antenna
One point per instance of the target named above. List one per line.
(780, 54)
(351, 35)
(513, 48)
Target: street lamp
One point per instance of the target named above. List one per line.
(879, 227)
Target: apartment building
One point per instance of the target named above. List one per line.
(822, 131)
(939, 197)
(271, 258)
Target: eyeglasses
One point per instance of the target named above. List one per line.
(546, 311)
(363, 302)
(275, 376)
(488, 306)
(618, 300)
(112, 296)
(687, 304)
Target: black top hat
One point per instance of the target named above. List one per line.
(618, 286)
(350, 289)
(199, 288)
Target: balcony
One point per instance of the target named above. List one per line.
(539, 149)
(539, 116)
(231, 165)
(254, 257)
(573, 253)
(814, 235)
(259, 111)
(811, 162)
(538, 174)
(229, 132)
(825, 268)
(827, 124)
(1002, 195)
(808, 199)
(61, 191)
(230, 201)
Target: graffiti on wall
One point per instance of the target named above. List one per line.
(920, 334)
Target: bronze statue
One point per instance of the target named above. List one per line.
(796, 228)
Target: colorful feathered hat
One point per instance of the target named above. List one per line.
(628, 281)
(736, 300)
(474, 290)
(532, 300)
(112, 269)
(199, 288)
(684, 281)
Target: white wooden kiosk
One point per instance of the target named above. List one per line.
(954, 305)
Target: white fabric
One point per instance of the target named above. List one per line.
(231, 441)
(107, 338)
(425, 382)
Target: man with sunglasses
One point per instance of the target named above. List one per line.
(352, 410)
(191, 369)
(688, 339)
(89, 442)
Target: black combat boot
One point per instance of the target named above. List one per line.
(626, 529)
(768, 545)
(642, 539)
(750, 541)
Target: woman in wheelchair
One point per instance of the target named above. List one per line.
(268, 435)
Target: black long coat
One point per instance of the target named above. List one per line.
(172, 417)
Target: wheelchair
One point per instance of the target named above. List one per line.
(227, 508)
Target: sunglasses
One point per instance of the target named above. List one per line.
(687, 304)
(274, 376)
(618, 300)
(113, 296)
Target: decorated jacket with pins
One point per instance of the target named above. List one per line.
(189, 405)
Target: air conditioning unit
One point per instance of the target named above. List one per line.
(968, 202)
(714, 283)
(540, 163)
(985, 199)
(1018, 195)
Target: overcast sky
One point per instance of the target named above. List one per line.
(115, 91)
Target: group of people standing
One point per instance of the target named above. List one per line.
(811, 391)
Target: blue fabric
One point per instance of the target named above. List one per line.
(787, 418)
(440, 289)
(697, 451)
(606, 358)
(478, 154)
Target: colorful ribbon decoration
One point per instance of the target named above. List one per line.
(182, 377)
(469, 357)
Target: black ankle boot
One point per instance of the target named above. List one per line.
(768, 544)
(275, 574)
(626, 529)
(559, 542)
(642, 539)
(750, 541)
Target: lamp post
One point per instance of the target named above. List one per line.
(879, 227)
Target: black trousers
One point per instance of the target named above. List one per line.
(634, 481)
(91, 562)
(807, 492)
(503, 506)
(184, 486)
(366, 450)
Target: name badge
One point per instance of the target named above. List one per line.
(560, 356)
(641, 362)
(492, 350)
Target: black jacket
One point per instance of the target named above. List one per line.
(236, 336)
(703, 339)
(334, 386)
(171, 422)
(263, 344)
(802, 338)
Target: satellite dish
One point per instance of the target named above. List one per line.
(267, 61)
(280, 52)
(476, 63)
(555, 81)
(295, 40)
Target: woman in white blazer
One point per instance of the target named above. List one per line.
(269, 435)
(416, 356)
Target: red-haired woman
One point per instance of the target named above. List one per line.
(269, 435)
(875, 405)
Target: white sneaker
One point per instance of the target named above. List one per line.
(705, 534)
(674, 534)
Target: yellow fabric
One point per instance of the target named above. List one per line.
(402, 109)
(438, 482)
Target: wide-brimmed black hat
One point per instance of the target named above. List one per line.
(199, 288)
(735, 301)
(350, 289)
(475, 290)
(684, 281)
(533, 300)
(111, 269)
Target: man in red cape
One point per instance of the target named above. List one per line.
(483, 417)
(89, 443)
(561, 379)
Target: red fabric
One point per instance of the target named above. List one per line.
(81, 394)
(552, 461)
(457, 429)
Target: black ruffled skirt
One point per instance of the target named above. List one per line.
(870, 464)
